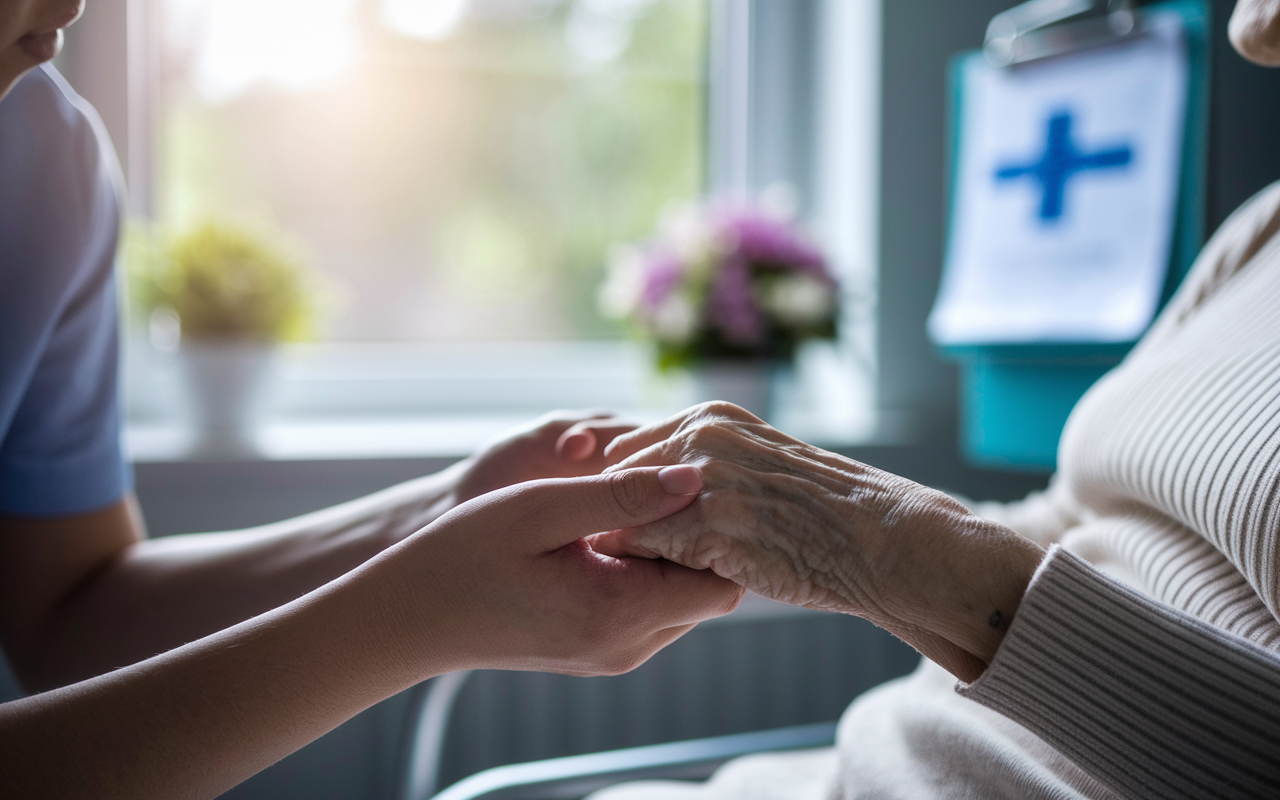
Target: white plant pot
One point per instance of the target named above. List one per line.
(225, 382)
(748, 384)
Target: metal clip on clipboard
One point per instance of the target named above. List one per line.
(1043, 28)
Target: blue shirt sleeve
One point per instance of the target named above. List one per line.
(60, 449)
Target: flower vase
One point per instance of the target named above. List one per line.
(745, 383)
(225, 382)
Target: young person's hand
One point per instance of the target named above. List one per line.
(121, 597)
(506, 581)
(562, 444)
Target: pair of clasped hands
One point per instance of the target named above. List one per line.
(648, 531)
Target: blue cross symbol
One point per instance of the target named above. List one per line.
(1062, 160)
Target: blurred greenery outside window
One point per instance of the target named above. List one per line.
(455, 170)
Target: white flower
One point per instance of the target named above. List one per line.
(675, 320)
(620, 294)
(691, 238)
(799, 300)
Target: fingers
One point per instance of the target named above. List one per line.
(685, 539)
(557, 512)
(588, 438)
(627, 445)
(624, 543)
(671, 595)
(576, 444)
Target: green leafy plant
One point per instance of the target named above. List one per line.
(223, 281)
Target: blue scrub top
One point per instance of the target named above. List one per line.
(60, 205)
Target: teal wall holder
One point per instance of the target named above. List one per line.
(1015, 398)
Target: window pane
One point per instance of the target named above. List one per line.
(455, 170)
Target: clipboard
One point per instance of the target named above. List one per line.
(1023, 371)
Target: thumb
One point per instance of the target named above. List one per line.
(562, 511)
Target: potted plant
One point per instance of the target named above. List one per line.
(234, 292)
(728, 289)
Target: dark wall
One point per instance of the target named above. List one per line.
(919, 37)
(1244, 125)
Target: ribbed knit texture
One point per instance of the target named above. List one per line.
(1151, 702)
(1170, 466)
(1181, 447)
(1170, 481)
(1165, 682)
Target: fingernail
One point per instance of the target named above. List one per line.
(576, 445)
(681, 479)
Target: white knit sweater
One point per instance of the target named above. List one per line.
(1145, 658)
(1169, 482)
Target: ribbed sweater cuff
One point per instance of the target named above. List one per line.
(1148, 700)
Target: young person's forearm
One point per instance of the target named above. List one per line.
(201, 718)
(162, 593)
(504, 582)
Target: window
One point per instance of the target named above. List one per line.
(455, 169)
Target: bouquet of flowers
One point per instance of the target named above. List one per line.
(723, 281)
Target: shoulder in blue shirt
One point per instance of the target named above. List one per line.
(59, 227)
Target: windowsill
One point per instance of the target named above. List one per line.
(354, 402)
(428, 436)
(340, 438)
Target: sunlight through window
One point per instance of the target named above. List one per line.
(237, 43)
(456, 170)
(423, 19)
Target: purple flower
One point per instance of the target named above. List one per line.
(731, 305)
(768, 240)
(725, 280)
(663, 274)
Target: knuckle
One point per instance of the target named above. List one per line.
(627, 663)
(622, 661)
(700, 437)
(713, 432)
(719, 436)
(628, 491)
(723, 408)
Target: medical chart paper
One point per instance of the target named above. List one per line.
(1065, 194)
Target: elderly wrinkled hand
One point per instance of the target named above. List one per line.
(804, 526)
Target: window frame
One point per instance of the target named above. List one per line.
(787, 94)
